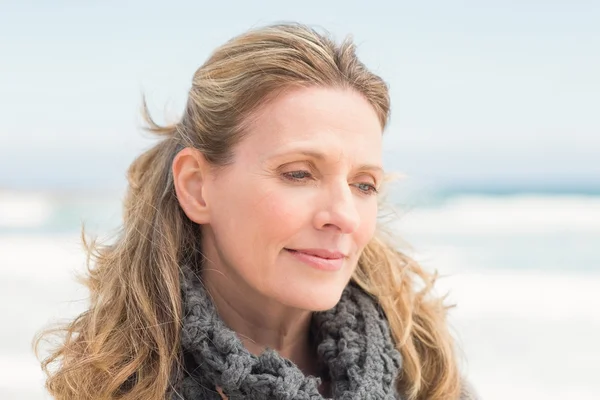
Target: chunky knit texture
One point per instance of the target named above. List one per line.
(354, 345)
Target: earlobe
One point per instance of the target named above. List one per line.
(190, 170)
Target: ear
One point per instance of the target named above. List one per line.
(190, 173)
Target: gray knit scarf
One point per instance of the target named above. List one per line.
(353, 343)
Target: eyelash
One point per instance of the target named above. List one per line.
(372, 190)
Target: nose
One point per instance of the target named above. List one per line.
(339, 210)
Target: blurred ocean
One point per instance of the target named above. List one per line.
(522, 269)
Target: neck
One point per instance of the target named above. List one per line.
(353, 337)
(262, 323)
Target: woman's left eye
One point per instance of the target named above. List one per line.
(366, 188)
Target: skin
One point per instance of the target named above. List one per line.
(278, 195)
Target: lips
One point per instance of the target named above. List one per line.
(322, 253)
(323, 259)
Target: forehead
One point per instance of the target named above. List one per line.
(340, 122)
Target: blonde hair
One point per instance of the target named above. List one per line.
(126, 345)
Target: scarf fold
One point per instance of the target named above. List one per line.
(353, 343)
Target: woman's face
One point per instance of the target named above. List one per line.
(289, 218)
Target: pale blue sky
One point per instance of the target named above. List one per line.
(486, 92)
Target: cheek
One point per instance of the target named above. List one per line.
(281, 212)
(368, 224)
(264, 215)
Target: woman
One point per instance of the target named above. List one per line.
(250, 264)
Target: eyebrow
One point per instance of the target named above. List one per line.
(321, 156)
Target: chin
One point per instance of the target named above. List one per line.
(319, 297)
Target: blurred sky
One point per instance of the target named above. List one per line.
(498, 92)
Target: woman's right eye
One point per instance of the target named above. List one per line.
(297, 175)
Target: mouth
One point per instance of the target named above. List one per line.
(322, 259)
(321, 253)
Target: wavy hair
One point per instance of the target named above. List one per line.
(126, 345)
